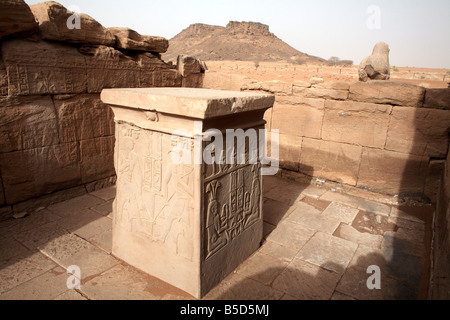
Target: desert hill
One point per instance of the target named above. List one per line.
(243, 41)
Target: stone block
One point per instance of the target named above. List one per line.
(202, 219)
(303, 119)
(187, 65)
(277, 87)
(289, 151)
(82, 117)
(221, 81)
(129, 39)
(2, 193)
(3, 79)
(330, 160)
(31, 173)
(392, 173)
(59, 24)
(434, 178)
(329, 252)
(110, 68)
(387, 92)
(419, 131)
(321, 93)
(356, 123)
(437, 99)
(333, 85)
(97, 158)
(27, 123)
(43, 68)
(16, 17)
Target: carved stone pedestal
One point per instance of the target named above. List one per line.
(177, 217)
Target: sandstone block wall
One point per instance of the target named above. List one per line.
(441, 248)
(55, 133)
(384, 136)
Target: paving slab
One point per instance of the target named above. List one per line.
(69, 249)
(340, 212)
(262, 267)
(311, 218)
(238, 287)
(329, 252)
(47, 286)
(306, 281)
(290, 234)
(123, 282)
(274, 211)
(22, 268)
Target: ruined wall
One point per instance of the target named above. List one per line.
(383, 136)
(55, 133)
(441, 248)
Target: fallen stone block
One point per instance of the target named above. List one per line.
(16, 18)
(60, 24)
(129, 39)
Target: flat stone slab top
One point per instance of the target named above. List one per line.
(188, 102)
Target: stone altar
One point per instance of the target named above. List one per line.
(177, 217)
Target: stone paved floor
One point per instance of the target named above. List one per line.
(318, 245)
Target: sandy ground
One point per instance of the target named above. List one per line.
(265, 71)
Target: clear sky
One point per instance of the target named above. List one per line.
(417, 31)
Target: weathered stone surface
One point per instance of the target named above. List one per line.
(2, 194)
(329, 252)
(387, 92)
(59, 24)
(97, 158)
(277, 87)
(356, 123)
(392, 172)
(172, 210)
(3, 79)
(27, 123)
(187, 65)
(437, 99)
(306, 281)
(349, 233)
(290, 147)
(301, 84)
(15, 17)
(129, 39)
(333, 85)
(110, 68)
(156, 73)
(31, 173)
(340, 212)
(330, 160)
(43, 68)
(208, 103)
(376, 66)
(419, 131)
(434, 178)
(302, 120)
(82, 117)
(22, 268)
(321, 93)
(310, 217)
(221, 81)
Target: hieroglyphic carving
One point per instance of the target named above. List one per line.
(155, 195)
(233, 206)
